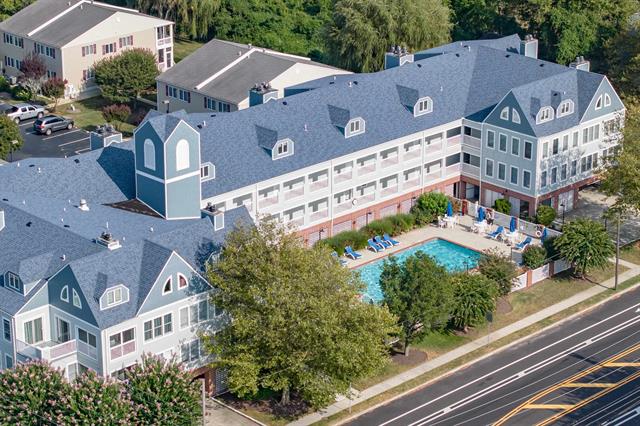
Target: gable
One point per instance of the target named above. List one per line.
(510, 102)
(174, 267)
(182, 132)
(142, 134)
(605, 88)
(54, 288)
(39, 299)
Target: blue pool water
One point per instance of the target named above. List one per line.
(452, 256)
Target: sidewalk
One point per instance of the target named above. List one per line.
(344, 403)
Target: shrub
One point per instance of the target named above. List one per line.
(429, 206)
(586, 244)
(115, 112)
(473, 296)
(379, 227)
(502, 205)
(545, 215)
(54, 88)
(355, 239)
(21, 93)
(498, 268)
(4, 84)
(95, 400)
(534, 257)
(549, 246)
(402, 222)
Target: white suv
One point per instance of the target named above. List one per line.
(21, 112)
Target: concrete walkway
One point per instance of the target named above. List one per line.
(343, 403)
(219, 414)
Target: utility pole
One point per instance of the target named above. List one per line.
(204, 403)
(615, 285)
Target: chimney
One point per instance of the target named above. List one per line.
(2, 224)
(580, 64)
(396, 57)
(104, 136)
(261, 93)
(107, 240)
(529, 46)
(83, 205)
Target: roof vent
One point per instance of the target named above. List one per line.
(107, 240)
(306, 128)
(83, 205)
(350, 83)
(580, 64)
(63, 257)
(2, 223)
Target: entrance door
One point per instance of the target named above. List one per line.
(62, 330)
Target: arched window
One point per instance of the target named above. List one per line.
(76, 299)
(64, 293)
(599, 102)
(168, 286)
(182, 155)
(515, 116)
(149, 155)
(545, 114)
(607, 100)
(423, 106)
(504, 114)
(565, 108)
(182, 281)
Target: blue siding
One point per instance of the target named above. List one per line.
(511, 102)
(184, 198)
(616, 105)
(143, 133)
(40, 299)
(151, 192)
(186, 132)
(66, 277)
(155, 298)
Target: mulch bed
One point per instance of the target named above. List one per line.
(415, 357)
(270, 405)
(503, 306)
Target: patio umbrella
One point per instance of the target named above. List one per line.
(513, 225)
(449, 209)
(544, 234)
(480, 214)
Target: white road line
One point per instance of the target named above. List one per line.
(62, 134)
(80, 151)
(76, 141)
(26, 124)
(538, 366)
(517, 361)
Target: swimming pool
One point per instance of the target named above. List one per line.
(452, 256)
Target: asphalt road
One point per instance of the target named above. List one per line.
(64, 143)
(557, 375)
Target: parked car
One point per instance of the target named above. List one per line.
(21, 112)
(52, 123)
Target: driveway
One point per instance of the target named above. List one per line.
(592, 204)
(63, 143)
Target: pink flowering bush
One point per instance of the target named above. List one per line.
(95, 400)
(162, 392)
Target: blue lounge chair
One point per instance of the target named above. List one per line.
(390, 240)
(337, 258)
(523, 244)
(348, 251)
(495, 234)
(374, 246)
(381, 242)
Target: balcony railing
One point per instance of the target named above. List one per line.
(470, 170)
(165, 41)
(123, 350)
(342, 207)
(319, 184)
(471, 141)
(453, 169)
(437, 174)
(367, 198)
(411, 155)
(366, 169)
(342, 177)
(433, 149)
(390, 161)
(389, 190)
(298, 221)
(412, 182)
(319, 215)
(454, 141)
(294, 193)
(268, 201)
(47, 351)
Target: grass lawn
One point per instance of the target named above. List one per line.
(183, 48)
(88, 114)
(631, 253)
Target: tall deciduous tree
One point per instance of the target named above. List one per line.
(298, 325)
(585, 244)
(33, 70)
(10, 137)
(499, 268)
(419, 293)
(54, 88)
(474, 295)
(361, 31)
(126, 76)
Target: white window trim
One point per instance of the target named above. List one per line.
(149, 160)
(599, 103)
(361, 129)
(494, 139)
(13, 281)
(498, 172)
(212, 172)
(524, 150)
(540, 116)
(64, 289)
(6, 364)
(515, 116)
(523, 180)
(607, 100)
(182, 162)
(186, 280)
(511, 168)
(506, 145)
(416, 108)
(164, 334)
(124, 297)
(10, 331)
(493, 169)
(504, 114)
(164, 284)
(560, 113)
(519, 147)
(75, 296)
(286, 142)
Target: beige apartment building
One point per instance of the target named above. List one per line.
(71, 36)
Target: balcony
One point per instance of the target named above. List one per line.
(319, 215)
(293, 193)
(471, 141)
(436, 174)
(123, 349)
(390, 190)
(268, 201)
(366, 198)
(470, 170)
(343, 207)
(453, 169)
(413, 182)
(342, 177)
(414, 154)
(47, 351)
(298, 221)
(389, 161)
(318, 185)
(454, 141)
(433, 149)
(164, 41)
(366, 169)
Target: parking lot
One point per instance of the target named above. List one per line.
(64, 143)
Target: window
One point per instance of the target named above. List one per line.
(423, 106)
(574, 167)
(182, 155)
(545, 149)
(453, 132)
(283, 148)
(86, 337)
(6, 329)
(51, 74)
(471, 159)
(488, 168)
(515, 116)
(502, 171)
(589, 162)
(565, 142)
(197, 313)
(543, 179)
(473, 132)
(545, 114)
(182, 281)
(502, 145)
(158, 327)
(163, 32)
(76, 299)
(565, 108)
(89, 49)
(184, 95)
(355, 127)
(555, 146)
(126, 41)
(599, 102)
(171, 91)
(590, 134)
(491, 139)
(607, 100)
(114, 296)
(224, 107)
(122, 343)
(576, 136)
(610, 127)
(149, 154)
(554, 175)
(528, 146)
(13, 282)
(8, 361)
(451, 160)
(207, 172)
(88, 74)
(191, 351)
(526, 178)
(33, 331)
(504, 114)
(168, 286)
(563, 172)
(515, 146)
(41, 49)
(108, 48)
(218, 222)
(209, 104)
(14, 40)
(514, 176)
(64, 293)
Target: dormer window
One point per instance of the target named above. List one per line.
(168, 286)
(607, 100)
(207, 172)
(599, 102)
(76, 299)
(565, 108)
(283, 148)
(423, 106)
(354, 127)
(13, 282)
(504, 114)
(114, 296)
(545, 114)
(64, 294)
(515, 116)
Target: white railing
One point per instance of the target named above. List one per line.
(411, 155)
(268, 201)
(454, 141)
(367, 198)
(470, 170)
(319, 184)
(433, 149)
(389, 191)
(342, 177)
(412, 182)
(365, 170)
(46, 351)
(471, 141)
(123, 349)
(87, 350)
(339, 208)
(319, 215)
(298, 221)
(164, 41)
(453, 169)
(294, 193)
(388, 162)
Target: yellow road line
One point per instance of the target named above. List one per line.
(588, 400)
(622, 364)
(571, 379)
(548, 406)
(587, 385)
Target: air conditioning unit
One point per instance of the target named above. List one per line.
(13, 80)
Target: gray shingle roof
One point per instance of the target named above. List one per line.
(34, 15)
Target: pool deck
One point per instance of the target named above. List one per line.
(460, 235)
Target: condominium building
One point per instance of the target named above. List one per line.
(71, 36)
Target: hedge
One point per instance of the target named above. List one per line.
(356, 239)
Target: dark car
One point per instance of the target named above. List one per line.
(52, 123)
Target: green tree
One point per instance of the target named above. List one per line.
(545, 215)
(623, 60)
(502, 205)
(297, 324)
(474, 295)
(361, 31)
(419, 293)
(162, 392)
(585, 244)
(94, 400)
(534, 256)
(54, 88)
(499, 268)
(10, 137)
(126, 76)
(429, 206)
